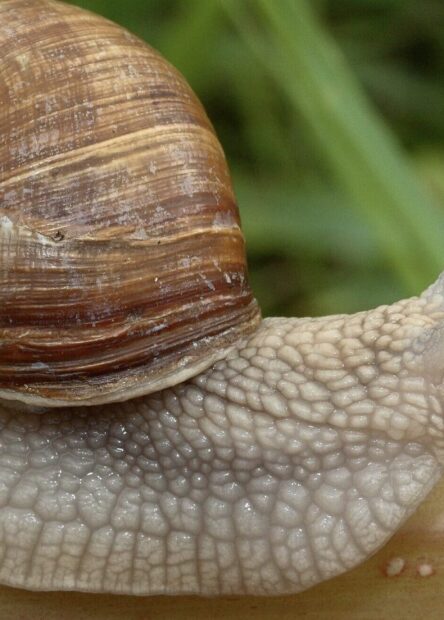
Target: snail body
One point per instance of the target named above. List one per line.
(182, 445)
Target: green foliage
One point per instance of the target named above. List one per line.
(331, 116)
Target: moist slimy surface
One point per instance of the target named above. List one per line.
(263, 475)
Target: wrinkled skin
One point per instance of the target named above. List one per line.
(285, 464)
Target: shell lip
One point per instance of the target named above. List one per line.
(134, 382)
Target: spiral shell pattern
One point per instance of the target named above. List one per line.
(122, 261)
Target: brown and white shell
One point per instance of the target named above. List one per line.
(122, 262)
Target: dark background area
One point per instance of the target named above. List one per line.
(319, 241)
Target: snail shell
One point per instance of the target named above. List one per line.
(122, 261)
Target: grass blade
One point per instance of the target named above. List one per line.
(354, 141)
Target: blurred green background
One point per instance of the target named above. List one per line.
(331, 114)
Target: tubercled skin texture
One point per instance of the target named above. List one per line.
(285, 464)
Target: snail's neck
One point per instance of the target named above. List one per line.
(372, 371)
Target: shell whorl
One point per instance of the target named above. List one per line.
(122, 262)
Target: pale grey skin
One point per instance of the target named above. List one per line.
(285, 464)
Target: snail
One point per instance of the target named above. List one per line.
(157, 435)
